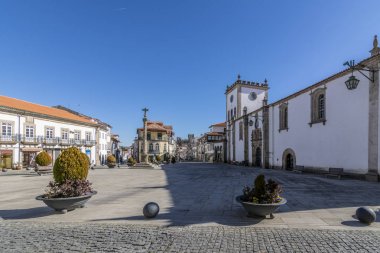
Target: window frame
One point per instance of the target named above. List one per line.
(315, 115)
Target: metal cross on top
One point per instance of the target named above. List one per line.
(145, 110)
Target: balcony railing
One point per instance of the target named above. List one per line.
(51, 141)
(164, 138)
(88, 143)
(154, 152)
(32, 140)
(8, 139)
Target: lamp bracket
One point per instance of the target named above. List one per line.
(360, 68)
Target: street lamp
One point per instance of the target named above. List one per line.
(352, 81)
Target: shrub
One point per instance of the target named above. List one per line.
(173, 159)
(158, 158)
(43, 159)
(71, 164)
(68, 188)
(262, 192)
(111, 159)
(131, 161)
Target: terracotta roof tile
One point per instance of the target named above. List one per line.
(41, 109)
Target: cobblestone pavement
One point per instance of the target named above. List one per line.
(100, 237)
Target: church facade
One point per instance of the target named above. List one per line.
(330, 125)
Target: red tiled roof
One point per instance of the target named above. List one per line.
(41, 109)
(222, 124)
(158, 127)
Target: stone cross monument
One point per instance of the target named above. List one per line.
(144, 157)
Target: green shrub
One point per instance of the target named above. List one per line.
(43, 159)
(111, 159)
(71, 164)
(131, 161)
(158, 158)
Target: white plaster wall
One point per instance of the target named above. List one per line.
(340, 143)
(251, 105)
(40, 131)
(217, 129)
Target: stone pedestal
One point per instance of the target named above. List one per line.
(372, 177)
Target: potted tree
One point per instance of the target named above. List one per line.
(131, 161)
(43, 161)
(263, 199)
(70, 189)
(111, 161)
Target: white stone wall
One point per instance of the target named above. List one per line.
(246, 102)
(341, 143)
(40, 124)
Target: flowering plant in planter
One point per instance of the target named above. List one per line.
(263, 192)
(70, 189)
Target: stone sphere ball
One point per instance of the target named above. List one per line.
(151, 210)
(365, 215)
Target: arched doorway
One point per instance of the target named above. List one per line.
(258, 157)
(289, 162)
(288, 159)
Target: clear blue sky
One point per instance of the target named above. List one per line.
(109, 59)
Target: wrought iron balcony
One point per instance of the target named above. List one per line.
(50, 141)
(32, 140)
(65, 142)
(154, 152)
(88, 143)
(8, 139)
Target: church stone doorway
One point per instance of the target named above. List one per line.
(258, 157)
(288, 159)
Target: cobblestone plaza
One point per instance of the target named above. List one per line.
(198, 213)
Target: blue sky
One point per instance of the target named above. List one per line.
(109, 59)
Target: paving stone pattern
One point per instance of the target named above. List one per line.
(100, 237)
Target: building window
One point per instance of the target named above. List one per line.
(159, 136)
(321, 106)
(88, 136)
(49, 133)
(6, 129)
(151, 147)
(65, 135)
(157, 147)
(77, 135)
(232, 114)
(318, 106)
(29, 131)
(148, 136)
(235, 112)
(228, 115)
(241, 130)
(283, 117)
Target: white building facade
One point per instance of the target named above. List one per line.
(27, 129)
(322, 127)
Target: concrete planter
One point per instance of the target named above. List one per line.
(43, 169)
(260, 210)
(66, 204)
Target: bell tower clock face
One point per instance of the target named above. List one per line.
(231, 98)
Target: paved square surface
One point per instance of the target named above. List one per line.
(196, 194)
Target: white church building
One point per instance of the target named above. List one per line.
(332, 125)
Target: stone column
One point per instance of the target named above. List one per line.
(266, 134)
(373, 127)
(144, 156)
(246, 140)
